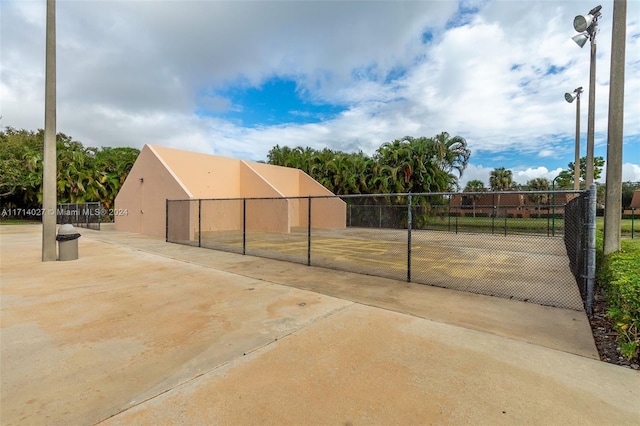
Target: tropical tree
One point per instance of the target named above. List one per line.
(112, 166)
(83, 173)
(539, 184)
(422, 164)
(474, 185)
(403, 165)
(20, 165)
(565, 178)
(628, 188)
(452, 153)
(500, 179)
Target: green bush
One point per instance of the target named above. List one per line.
(619, 276)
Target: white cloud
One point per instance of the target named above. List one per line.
(131, 73)
(476, 172)
(630, 172)
(523, 176)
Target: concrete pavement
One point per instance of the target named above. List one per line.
(138, 331)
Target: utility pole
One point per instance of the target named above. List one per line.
(49, 194)
(613, 196)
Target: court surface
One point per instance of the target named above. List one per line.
(528, 268)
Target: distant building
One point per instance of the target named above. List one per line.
(635, 201)
(516, 204)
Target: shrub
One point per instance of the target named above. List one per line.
(619, 276)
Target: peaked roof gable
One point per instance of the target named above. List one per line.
(210, 176)
(203, 175)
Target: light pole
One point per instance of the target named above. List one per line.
(613, 195)
(553, 205)
(49, 158)
(587, 26)
(569, 97)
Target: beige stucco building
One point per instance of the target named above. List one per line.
(161, 174)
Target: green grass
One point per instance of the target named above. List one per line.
(619, 277)
(18, 222)
(625, 226)
(513, 225)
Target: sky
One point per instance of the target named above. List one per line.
(236, 78)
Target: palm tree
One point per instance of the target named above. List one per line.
(539, 184)
(452, 153)
(500, 179)
(474, 186)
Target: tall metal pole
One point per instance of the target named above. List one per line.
(613, 197)
(576, 161)
(592, 108)
(591, 248)
(49, 157)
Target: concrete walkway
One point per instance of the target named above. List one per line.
(138, 331)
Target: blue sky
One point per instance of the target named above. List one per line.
(236, 78)
(277, 101)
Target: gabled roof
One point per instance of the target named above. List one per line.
(201, 174)
(212, 176)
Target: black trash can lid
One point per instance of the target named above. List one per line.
(67, 232)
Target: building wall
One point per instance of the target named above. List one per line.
(512, 205)
(635, 201)
(284, 180)
(143, 195)
(165, 173)
(326, 213)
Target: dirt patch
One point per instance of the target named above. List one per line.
(606, 337)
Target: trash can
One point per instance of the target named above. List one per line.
(67, 242)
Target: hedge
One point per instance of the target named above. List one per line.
(619, 277)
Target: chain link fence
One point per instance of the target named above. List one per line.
(83, 215)
(516, 245)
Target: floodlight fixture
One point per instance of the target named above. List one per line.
(580, 39)
(584, 22)
(570, 97)
(587, 26)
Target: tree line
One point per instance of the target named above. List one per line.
(84, 174)
(408, 164)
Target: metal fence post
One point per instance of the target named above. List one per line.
(591, 248)
(309, 233)
(493, 219)
(505, 220)
(553, 215)
(166, 220)
(244, 226)
(199, 222)
(457, 216)
(409, 239)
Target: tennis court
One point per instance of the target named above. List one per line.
(521, 267)
(388, 236)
